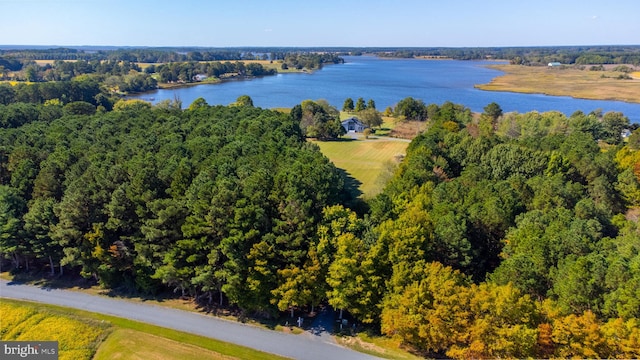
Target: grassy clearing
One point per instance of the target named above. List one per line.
(146, 337)
(407, 129)
(388, 123)
(46, 62)
(369, 161)
(574, 82)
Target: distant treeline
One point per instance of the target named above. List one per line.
(134, 55)
(527, 55)
(619, 54)
(121, 72)
(11, 59)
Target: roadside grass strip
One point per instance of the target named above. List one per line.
(130, 344)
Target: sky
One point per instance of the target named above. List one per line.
(340, 23)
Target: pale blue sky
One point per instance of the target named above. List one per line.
(422, 23)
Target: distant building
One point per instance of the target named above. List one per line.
(200, 77)
(353, 124)
(554, 64)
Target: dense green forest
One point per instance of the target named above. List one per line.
(500, 235)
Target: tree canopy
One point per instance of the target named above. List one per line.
(499, 235)
(143, 196)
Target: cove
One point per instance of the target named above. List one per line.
(387, 81)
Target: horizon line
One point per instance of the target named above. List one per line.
(55, 46)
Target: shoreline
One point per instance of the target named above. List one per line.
(218, 81)
(169, 86)
(572, 82)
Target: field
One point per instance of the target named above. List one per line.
(370, 162)
(565, 81)
(77, 338)
(82, 334)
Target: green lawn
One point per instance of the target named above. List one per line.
(368, 161)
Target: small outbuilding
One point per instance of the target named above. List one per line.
(353, 124)
(554, 64)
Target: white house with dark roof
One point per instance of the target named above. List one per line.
(353, 124)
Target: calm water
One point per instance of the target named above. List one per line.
(388, 81)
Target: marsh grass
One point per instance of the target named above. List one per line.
(570, 81)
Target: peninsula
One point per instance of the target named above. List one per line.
(610, 82)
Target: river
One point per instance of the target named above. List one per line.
(387, 81)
